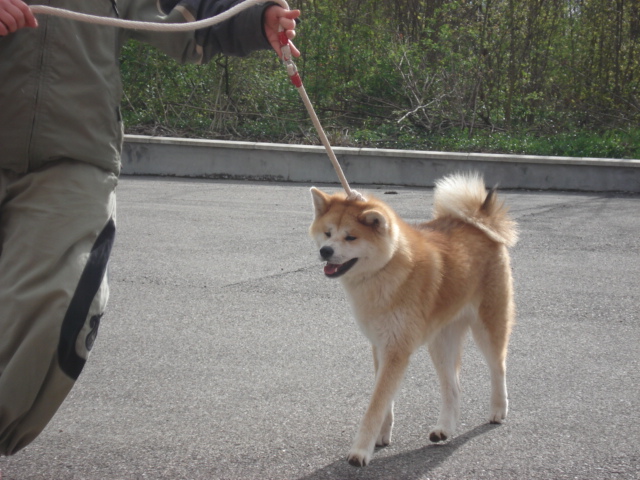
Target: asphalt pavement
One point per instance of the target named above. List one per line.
(226, 354)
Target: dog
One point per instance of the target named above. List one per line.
(410, 285)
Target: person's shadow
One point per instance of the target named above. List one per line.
(410, 465)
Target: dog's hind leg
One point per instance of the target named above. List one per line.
(391, 368)
(491, 334)
(446, 353)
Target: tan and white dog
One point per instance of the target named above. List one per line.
(423, 284)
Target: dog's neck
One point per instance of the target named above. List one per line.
(375, 288)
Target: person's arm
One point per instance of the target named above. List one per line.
(255, 28)
(14, 15)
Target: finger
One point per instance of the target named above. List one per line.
(294, 51)
(287, 23)
(8, 20)
(29, 18)
(288, 18)
(292, 14)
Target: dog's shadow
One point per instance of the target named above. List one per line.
(410, 465)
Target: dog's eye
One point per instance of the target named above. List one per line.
(327, 234)
(350, 238)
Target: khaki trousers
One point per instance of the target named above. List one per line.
(57, 227)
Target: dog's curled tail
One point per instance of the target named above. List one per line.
(464, 196)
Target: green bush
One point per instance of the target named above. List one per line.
(506, 76)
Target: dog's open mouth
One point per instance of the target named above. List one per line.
(333, 270)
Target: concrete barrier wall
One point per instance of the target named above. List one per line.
(301, 163)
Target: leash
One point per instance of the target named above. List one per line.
(153, 26)
(294, 76)
(290, 66)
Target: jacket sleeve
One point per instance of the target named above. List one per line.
(237, 36)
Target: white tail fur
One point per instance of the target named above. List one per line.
(464, 196)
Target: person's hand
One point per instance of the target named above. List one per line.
(14, 15)
(275, 17)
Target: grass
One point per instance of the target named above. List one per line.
(611, 144)
(618, 144)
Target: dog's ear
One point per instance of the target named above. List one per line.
(374, 219)
(320, 201)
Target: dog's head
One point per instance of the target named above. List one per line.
(354, 237)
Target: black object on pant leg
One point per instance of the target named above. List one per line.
(90, 280)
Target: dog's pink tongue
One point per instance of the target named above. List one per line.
(330, 268)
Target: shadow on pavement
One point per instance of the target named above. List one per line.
(412, 465)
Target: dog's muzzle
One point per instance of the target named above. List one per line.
(334, 270)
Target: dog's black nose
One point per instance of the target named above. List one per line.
(326, 252)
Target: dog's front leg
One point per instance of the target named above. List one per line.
(384, 437)
(391, 370)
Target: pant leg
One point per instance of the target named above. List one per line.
(57, 227)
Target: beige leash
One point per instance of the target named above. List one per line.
(153, 26)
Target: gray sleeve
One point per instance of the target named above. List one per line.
(238, 36)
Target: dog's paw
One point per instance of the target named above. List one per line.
(498, 413)
(439, 434)
(359, 458)
(384, 437)
(497, 417)
(383, 440)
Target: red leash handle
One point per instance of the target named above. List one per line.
(292, 70)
